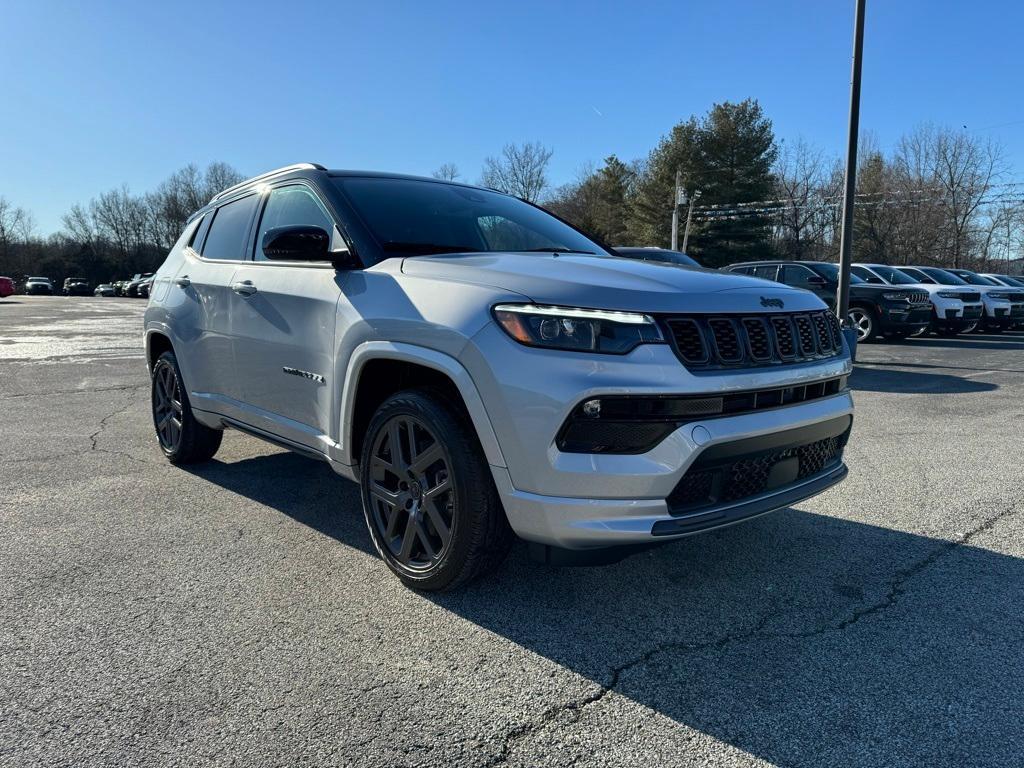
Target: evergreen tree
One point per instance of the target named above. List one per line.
(728, 156)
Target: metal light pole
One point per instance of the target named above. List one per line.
(850, 184)
(679, 193)
(689, 217)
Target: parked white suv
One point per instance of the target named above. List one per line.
(482, 368)
(954, 310)
(998, 309)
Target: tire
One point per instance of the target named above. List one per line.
(439, 481)
(182, 439)
(864, 321)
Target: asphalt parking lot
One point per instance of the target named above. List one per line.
(234, 613)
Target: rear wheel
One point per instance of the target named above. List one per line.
(182, 439)
(862, 320)
(429, 500)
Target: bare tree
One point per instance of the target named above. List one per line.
(182, 194)
(802, 177)
(521, 170)
(447, 172)
(947, 174)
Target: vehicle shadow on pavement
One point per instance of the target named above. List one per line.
(881, 380)
(305, 490)
(800, 638)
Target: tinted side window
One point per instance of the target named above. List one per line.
(196, 242)
(797, 276)
(741, 270)
(226, 238)
(291, 206)
(766, 272)
(862, 273)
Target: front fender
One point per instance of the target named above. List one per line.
(430, 358)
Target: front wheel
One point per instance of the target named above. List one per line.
(863, 321)
(182, 439)
(429, 500)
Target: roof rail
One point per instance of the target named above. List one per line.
(268, 175)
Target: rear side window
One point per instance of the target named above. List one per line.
(196, 241)
(741, 270)
(230, 225)
(766, 272)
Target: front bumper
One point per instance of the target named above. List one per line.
(905, 318)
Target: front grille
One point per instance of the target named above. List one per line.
(969, 297)
(919, 298)
(1017, 297)
(705, 342)
(751, 475)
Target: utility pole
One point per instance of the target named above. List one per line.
(675, 209)
(850, 185)
(689, 217)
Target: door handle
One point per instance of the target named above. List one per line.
(244, 288)
(182, 282)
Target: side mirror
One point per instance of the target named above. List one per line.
(817, 280)
(299, 243)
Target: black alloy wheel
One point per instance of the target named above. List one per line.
(412, 493)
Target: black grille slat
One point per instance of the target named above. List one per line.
(727, 341)
(785, 341)
(759, 343)
(705, 342)
(824, 334)
(689, 340)
(805, 334)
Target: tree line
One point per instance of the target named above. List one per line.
(115, 235)
(939, 196)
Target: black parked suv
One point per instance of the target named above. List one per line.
(875, 310)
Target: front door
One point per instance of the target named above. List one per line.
(283, 321)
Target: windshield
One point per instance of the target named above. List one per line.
(1011, 281)
(974, 279)
(831, 273)
(942, 277)
(894, 276)
(408, 217)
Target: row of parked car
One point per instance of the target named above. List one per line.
(894, 302)
(137, 287)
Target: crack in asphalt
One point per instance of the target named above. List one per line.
(18, 395)
(896, 589)
(95, 436)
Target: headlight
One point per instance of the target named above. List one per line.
(580, 330)
(950, 294)
(999, 296)
(896, 296)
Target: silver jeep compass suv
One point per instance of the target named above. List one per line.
(483, 369)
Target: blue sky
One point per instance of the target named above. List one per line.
(95, 95)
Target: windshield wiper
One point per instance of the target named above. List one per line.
(556, 249)
(425, 249)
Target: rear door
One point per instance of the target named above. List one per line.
(205, 278)
(284, 324)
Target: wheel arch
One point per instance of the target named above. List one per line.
(157, 342)
(377, 370)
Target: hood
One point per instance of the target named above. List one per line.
(611, 282)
